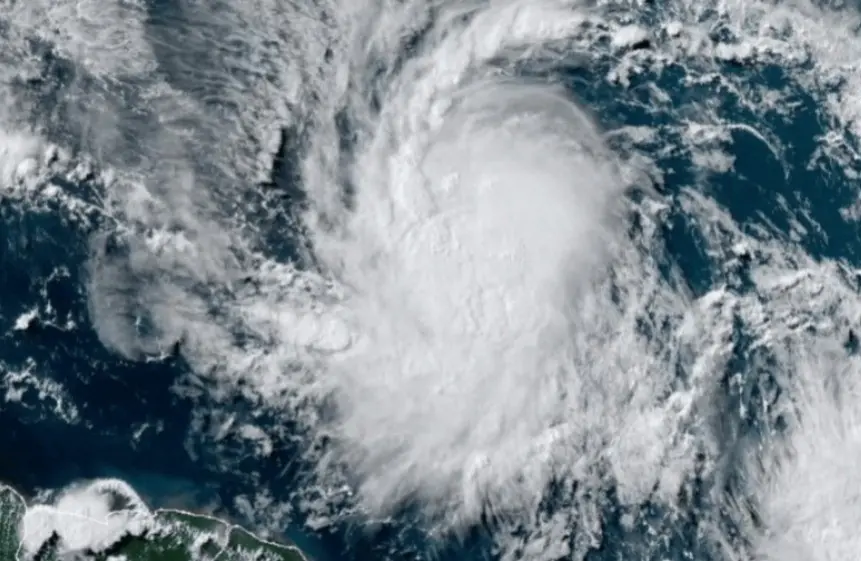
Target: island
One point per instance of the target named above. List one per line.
(107, 521)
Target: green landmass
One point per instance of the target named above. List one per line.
(11, 512)
(173, 536)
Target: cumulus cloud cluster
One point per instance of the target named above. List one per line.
(491, 311)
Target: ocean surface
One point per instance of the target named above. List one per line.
(232, 251)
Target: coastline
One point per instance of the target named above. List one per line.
(153, 517)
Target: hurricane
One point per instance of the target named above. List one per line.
(483, 279)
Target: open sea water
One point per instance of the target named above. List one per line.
(73, 409)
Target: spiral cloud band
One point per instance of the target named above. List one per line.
(483, 324)
(461, 272)
(491, 351)
(455, 291)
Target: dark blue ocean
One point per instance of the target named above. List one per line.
(43, 258)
